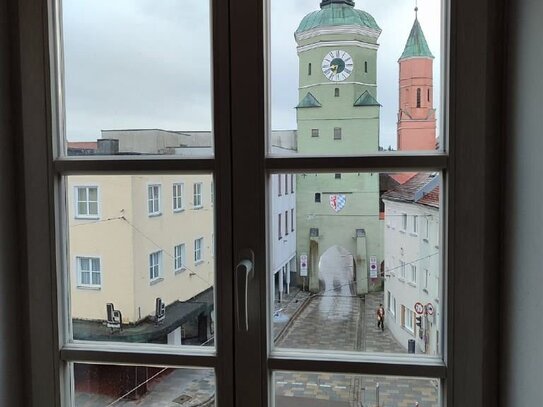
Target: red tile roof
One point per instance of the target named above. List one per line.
(87, 145)
(407, 191)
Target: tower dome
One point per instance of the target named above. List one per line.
(336, 13)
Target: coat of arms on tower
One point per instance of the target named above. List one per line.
(337, 202)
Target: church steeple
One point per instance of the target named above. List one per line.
(416, 45)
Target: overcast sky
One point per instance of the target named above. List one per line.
(146, 63)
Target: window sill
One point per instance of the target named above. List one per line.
(179, 271)
(402, 230)
(413, 234)
(197, 207)
(179, 210)
(425, 290)
(401, 279)
(156, 281)
(81, 217)
(154, 215)
(89, 287)
(412, 284)
(424, 239)
(197, 263)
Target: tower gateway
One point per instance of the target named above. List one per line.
(416, 116)
(338, 113)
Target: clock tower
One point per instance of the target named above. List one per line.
(338, 114)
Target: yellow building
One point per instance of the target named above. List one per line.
(134, 239)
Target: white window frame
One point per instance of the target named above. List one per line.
(197, 195)
(77, 201)
(178, 196)
(179, 258)
(402, 270)
(79, 271)
(412, 274)
(155, 266)
(404, 222)
(198, 250)
(409, 320)
(154, 192)
(415, 225)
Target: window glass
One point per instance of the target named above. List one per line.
(197, 195)
(153, 192)
(87, 202)
(120, 96)
(120, 265)
(178, 196)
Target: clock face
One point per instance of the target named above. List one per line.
(337, 65)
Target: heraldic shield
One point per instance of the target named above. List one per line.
(337, 202)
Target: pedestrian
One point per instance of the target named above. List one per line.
(381, 317)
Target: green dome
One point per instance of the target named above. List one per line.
(337, 13)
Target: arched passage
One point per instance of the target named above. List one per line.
(337, 271)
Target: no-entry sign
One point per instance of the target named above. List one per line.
(419, 308)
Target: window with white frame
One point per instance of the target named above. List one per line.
(89, 273)
(198, 250)
(286, 223)
(279, 187)
(415, 225)
(426, 279)
(413, 274)
(286, 184)
(426, 228)
(292, 183)
(402, 269)
(404, 221)
(179, 257)
(292, 220)
(153, 199)
(155, 265)
(409, 319)
(86, 203)
(279, 225)
(178, 196)
(197, 195)
(391, 301)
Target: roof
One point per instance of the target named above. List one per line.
(309, 101)
(422, 188)
(366, 99)
(334, 13)
(86, 145)
(416, 45)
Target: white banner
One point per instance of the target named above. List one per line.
(303, 265)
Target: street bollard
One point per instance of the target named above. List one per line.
(377, 394)
(417, 404)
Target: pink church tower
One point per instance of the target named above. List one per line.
(416, 116)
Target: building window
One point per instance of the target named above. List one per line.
(155, 265)
(425, 228)
(153, 199)
(415, 224)
(279, 186)
(337, 133)
(365, 66)
(404, 221)
(336, 92)
(286, 184)
(418, 97)
(314, 132)
(337, 176)
(179, 257)
(279, 224)
(426, 278)
(292, 220)
(391, 304)
(309, 69)
(428, 94)
(317, 197)
(198, 246)
(197, 195)
(87, 202)
(292, 183)
(286, 223)
(212, 193)
(178, 197)
(402, 269)
(88, 272)
(413, 274)
(409, 319)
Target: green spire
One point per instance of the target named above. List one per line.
(416, 45)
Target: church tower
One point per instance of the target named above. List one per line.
(416, 116)
(338, 114)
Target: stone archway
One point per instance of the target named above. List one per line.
(336, 271)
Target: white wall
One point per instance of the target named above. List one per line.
(522, 346)
(11, 314)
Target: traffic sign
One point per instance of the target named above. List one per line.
(419, 308)
(429, 309)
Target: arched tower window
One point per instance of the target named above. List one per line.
(418, 97)
(428, 94)
(336, 92)
(309, 69)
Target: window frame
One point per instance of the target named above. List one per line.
(200, 186)
(471, 363)
(80, 284)
(198, 250)
(178, 268)
(178, 195)
(77, 215)
(159, 256)
(152, 199)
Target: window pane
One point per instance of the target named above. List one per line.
(132, 259)
(369, 69)
(108, 385)
(346, 278)
(301, 389)
(137, 77)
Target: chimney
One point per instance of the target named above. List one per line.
(108, 146)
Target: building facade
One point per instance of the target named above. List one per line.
(338, 113)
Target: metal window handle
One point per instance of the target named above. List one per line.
(244, 274)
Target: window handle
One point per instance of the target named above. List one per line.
(244, 273)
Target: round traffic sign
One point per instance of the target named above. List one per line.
(430, 308)
(419, 308)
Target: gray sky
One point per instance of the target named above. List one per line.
(146, 63)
